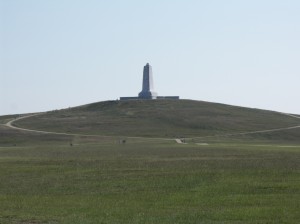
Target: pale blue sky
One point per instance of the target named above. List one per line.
(60, 53)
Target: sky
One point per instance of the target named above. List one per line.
(61, 53)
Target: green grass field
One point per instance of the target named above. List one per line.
(236, 179)
(157, 182)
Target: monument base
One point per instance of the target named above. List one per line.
(157, 98)
(129, 98)
(148, 95)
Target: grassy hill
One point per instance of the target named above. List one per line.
(160, 118)
(45, 179)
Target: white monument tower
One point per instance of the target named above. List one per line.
(148, 92)
(148, 86)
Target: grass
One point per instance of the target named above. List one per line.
(161, 118)
(235, 179)
(158, 182)
(7, 118)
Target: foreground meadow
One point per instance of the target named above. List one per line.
(149, 182)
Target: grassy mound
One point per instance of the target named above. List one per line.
(159, 118)
(96, 179)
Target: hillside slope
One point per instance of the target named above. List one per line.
(159, 118)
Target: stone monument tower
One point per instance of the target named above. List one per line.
(148, 87)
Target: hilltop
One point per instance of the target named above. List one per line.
(161, 118)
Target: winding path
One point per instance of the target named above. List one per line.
(257, 132)
(10, 125)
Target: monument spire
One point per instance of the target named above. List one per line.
(148, 86)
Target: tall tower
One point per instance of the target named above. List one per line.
(148, 87)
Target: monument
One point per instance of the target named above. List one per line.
(148, 92)
(148, 86)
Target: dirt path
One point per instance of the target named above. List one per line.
(257, 132)
(10, 125)
(179, 141)
(291, 115)
(251, 132)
